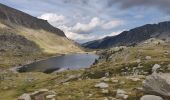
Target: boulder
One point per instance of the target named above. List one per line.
(155, 67)
(102, 85)
(150, 97)
(121, 94)
(25, 96)
(148, 57)
(157, 84)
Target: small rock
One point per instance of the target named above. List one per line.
(50, 96)
(6, 88)
(155, 67)
(104, 91)
(34, 93)
(107, 74)
(66, 83)
(122, 82)
(168, 66)
(102, 85)
(114, 80)
(139, 66)
(135, 79)
(121, 94)
(148, 57)
(125, 97)
(90, 95)
(119, 91)
(138, 61)
(25, 96)
(150, 97)
(105, 79)
(43, 90)
(105, 98)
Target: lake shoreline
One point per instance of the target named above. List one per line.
(16, 69)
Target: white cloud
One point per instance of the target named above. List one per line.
(83, 28)
(52, 17)
(96, 23)
(112, 24)
(81, 32)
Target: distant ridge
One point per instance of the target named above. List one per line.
(133, 36)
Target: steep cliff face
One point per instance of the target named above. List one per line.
(134, 36)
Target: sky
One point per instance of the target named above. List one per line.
(87, 20)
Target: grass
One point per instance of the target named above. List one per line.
(50, 43)
(83, 87)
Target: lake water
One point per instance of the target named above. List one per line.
(72, 61)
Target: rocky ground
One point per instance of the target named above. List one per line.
(121, 73)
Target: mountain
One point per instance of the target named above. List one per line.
(9, 15)
(133, 36)
(24, 38)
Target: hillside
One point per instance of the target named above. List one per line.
(119, 74)
(133, 36)
(24, 38)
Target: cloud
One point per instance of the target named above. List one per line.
(52, 17)
(92, 19)
(159, 4)
(82, 32)
(96, 23)
(86, 28)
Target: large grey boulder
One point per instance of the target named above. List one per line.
(150, 97)
(157, 84)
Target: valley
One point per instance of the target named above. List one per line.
(134, 65)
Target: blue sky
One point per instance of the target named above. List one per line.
(86, 20)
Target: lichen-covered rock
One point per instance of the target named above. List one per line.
(157, 84)
(102, 85)
(25, 96)
(155, 67)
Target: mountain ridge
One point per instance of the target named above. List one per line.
(10, 15)
(133, 36)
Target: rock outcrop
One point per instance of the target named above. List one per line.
(157, 84)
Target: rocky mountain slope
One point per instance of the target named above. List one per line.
(24, 38)
(133, 36)
(121, 73)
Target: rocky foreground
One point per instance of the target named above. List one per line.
(121, 73)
